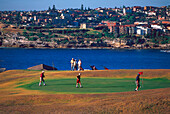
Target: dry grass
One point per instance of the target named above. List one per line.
(149, 101)
(18, 100)
(12, 30)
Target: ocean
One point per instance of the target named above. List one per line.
(21, 58)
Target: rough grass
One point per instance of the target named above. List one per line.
(20, 100)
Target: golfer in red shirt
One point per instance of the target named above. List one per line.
(42, 78)
(78, 81)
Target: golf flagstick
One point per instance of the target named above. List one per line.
(142, 79)
(142, 82)
(141, 85)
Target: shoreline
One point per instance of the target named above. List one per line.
(88, 48)
(100, 70)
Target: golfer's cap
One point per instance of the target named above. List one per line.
(79, 73)
(42, 71)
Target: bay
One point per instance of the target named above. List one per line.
(20, 58)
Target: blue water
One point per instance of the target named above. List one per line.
(17, 58)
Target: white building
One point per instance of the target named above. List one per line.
(143, 30)
(140, 23)
(156, 26)
(65, 16)
(152, 13)
(90, 18)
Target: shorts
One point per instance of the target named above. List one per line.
(78, 81)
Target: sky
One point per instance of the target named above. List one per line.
(27, 5)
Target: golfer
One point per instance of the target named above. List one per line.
(72, 64)
(42, 78)
(137, 82)
(79, 65)
(75, 64)
(78, 81)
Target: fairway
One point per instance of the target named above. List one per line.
(96, 85)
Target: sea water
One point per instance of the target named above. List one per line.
(20, 58)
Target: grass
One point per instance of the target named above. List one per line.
(93, 32)
(96, 85)
(20, 92)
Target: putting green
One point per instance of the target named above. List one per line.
(96, 85)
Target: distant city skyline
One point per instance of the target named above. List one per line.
(27, 5)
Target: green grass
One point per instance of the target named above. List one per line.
(96, 85)
(93, 32)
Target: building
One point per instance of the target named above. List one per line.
(75, 23)
(142, 30)
(122, 29)
(127, 10)
(156, 26)
(136, 8)
(83, 26)
(152, 13)
(140, 23)
(115, 30)
(110, 24)
(59, 21)
(65, 16)
(146, 8)
(24, 18)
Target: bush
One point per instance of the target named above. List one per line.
(32, 38)
(25, 34)
(140, 41)
(164, 42)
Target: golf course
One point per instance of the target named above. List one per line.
(104, 91)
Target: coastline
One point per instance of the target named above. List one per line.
(131, 48)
